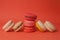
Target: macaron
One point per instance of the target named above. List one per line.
(30, 16)
(50, 27)
(30, 26)
(29, 23)
(29, 30)
(8, 26)
(30, 19)
(18, 26)
(40, 26)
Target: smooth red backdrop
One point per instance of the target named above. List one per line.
(44, 9)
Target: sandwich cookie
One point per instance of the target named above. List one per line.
(30, 28)
(29, 23)
(28, 31)
(18, 26)
(40, 26)
(8, 26)
(30, 16)
(50, 27)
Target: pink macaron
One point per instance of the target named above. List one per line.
(29, 23)
(31, 27)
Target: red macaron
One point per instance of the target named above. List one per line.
(28, 30)
(30, 16)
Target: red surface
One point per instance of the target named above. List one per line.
(44, 9)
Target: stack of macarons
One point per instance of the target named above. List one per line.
(11, 26)
(45, 26)
(29, 22)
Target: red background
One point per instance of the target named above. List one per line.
(44, 9)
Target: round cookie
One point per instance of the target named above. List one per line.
(30, 16)
(8, 26)
(29, 23)
(18, 26)
(29, 30)
(50, 27)
(40, 26)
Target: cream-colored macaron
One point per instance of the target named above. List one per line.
(18, 26)
(40, 26)
(8, 25)
(50, 27)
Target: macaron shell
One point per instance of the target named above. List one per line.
(49, 26)
(29, 30)
(29, 23)
(40, 26)
(30, 19)
(30, 26)
(7, 24)
(30, 15)
(9, 27)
